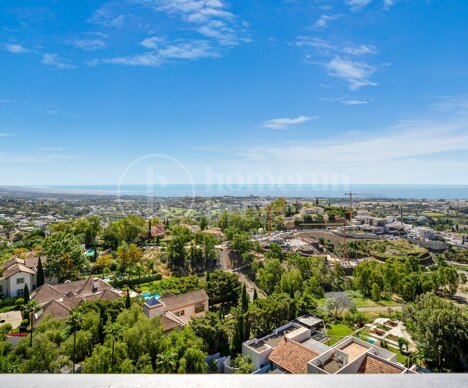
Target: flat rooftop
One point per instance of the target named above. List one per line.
(271, 340)
(354, 350)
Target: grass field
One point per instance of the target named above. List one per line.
(338, 332)
(360, 301)
(433, 214)
(400, 356)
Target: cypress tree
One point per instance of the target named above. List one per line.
(40, 273)
(245, 299)
(26, 294)
(128, 302)
(255, 295)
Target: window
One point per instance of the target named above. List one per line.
(180, 313)
(20, 281)
(19, 293)
(199, 308)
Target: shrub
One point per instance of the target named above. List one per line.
(19, 302)
(6, 328)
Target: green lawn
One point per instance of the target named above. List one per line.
(338, 332)
(360, 301)
(400, 357)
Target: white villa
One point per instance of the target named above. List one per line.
(17, 273)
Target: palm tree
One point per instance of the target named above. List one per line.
(114, 332)
(166, 362)
(30, 309)
(74, 321)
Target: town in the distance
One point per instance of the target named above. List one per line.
(233, 285)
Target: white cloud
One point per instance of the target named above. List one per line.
(357, 74)
(408, 152)
(105, 16)
(209, 18)
(362, 49)
(286, 122)
(88, 44)
(346, 101)
(184, 50)
(151, 42)
(323, 20)
(51, 59)
(15, 48)
(388, 3)
(358, 4)
(321, 46)
(354, 102)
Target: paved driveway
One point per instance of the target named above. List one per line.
(12, 317)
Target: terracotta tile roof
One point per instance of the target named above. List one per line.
(12, 261)
(170, 322)
(45, 294)
(83, 288)
(180, 301)
(32, 262)
(292, 356)
(15, 268)
(62, 306)
(372, 365)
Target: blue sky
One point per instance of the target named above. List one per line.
(365, 91)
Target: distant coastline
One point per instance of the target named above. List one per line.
(366, 191)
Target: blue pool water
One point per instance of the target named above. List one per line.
(371, 341)
(148, 295)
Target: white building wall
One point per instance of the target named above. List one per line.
(13, 286)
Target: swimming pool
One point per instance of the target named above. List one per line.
(148, 295)
(371, 341)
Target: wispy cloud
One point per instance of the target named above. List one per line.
(152, 42)
(106, 16)
(322, 21)
(339, 62)
(360, 50)
(210, 18)
(346, 101)
(286, 122)
(16, 48)
(53, 60)
(88, 44)
(356, 74)
(358, 4)
(163, 53)
(388, 3)
(12, 158)
(4, 134)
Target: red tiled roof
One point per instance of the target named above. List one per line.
(372, 365)
(292, 356)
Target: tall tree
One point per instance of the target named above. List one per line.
(245, 299)
(26, 294)
(30, 309)
(114, 333)
(65, 257)
(74, 321)
(40, 273)
(440, 330)
(128, 302)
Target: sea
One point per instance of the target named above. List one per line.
(362, 191)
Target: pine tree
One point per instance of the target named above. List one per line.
(245, 299)
(128, 302)
(255, 295)
(26, 294)
(40, 273)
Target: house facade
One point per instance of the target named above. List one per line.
(17, 273)
(176, 310)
